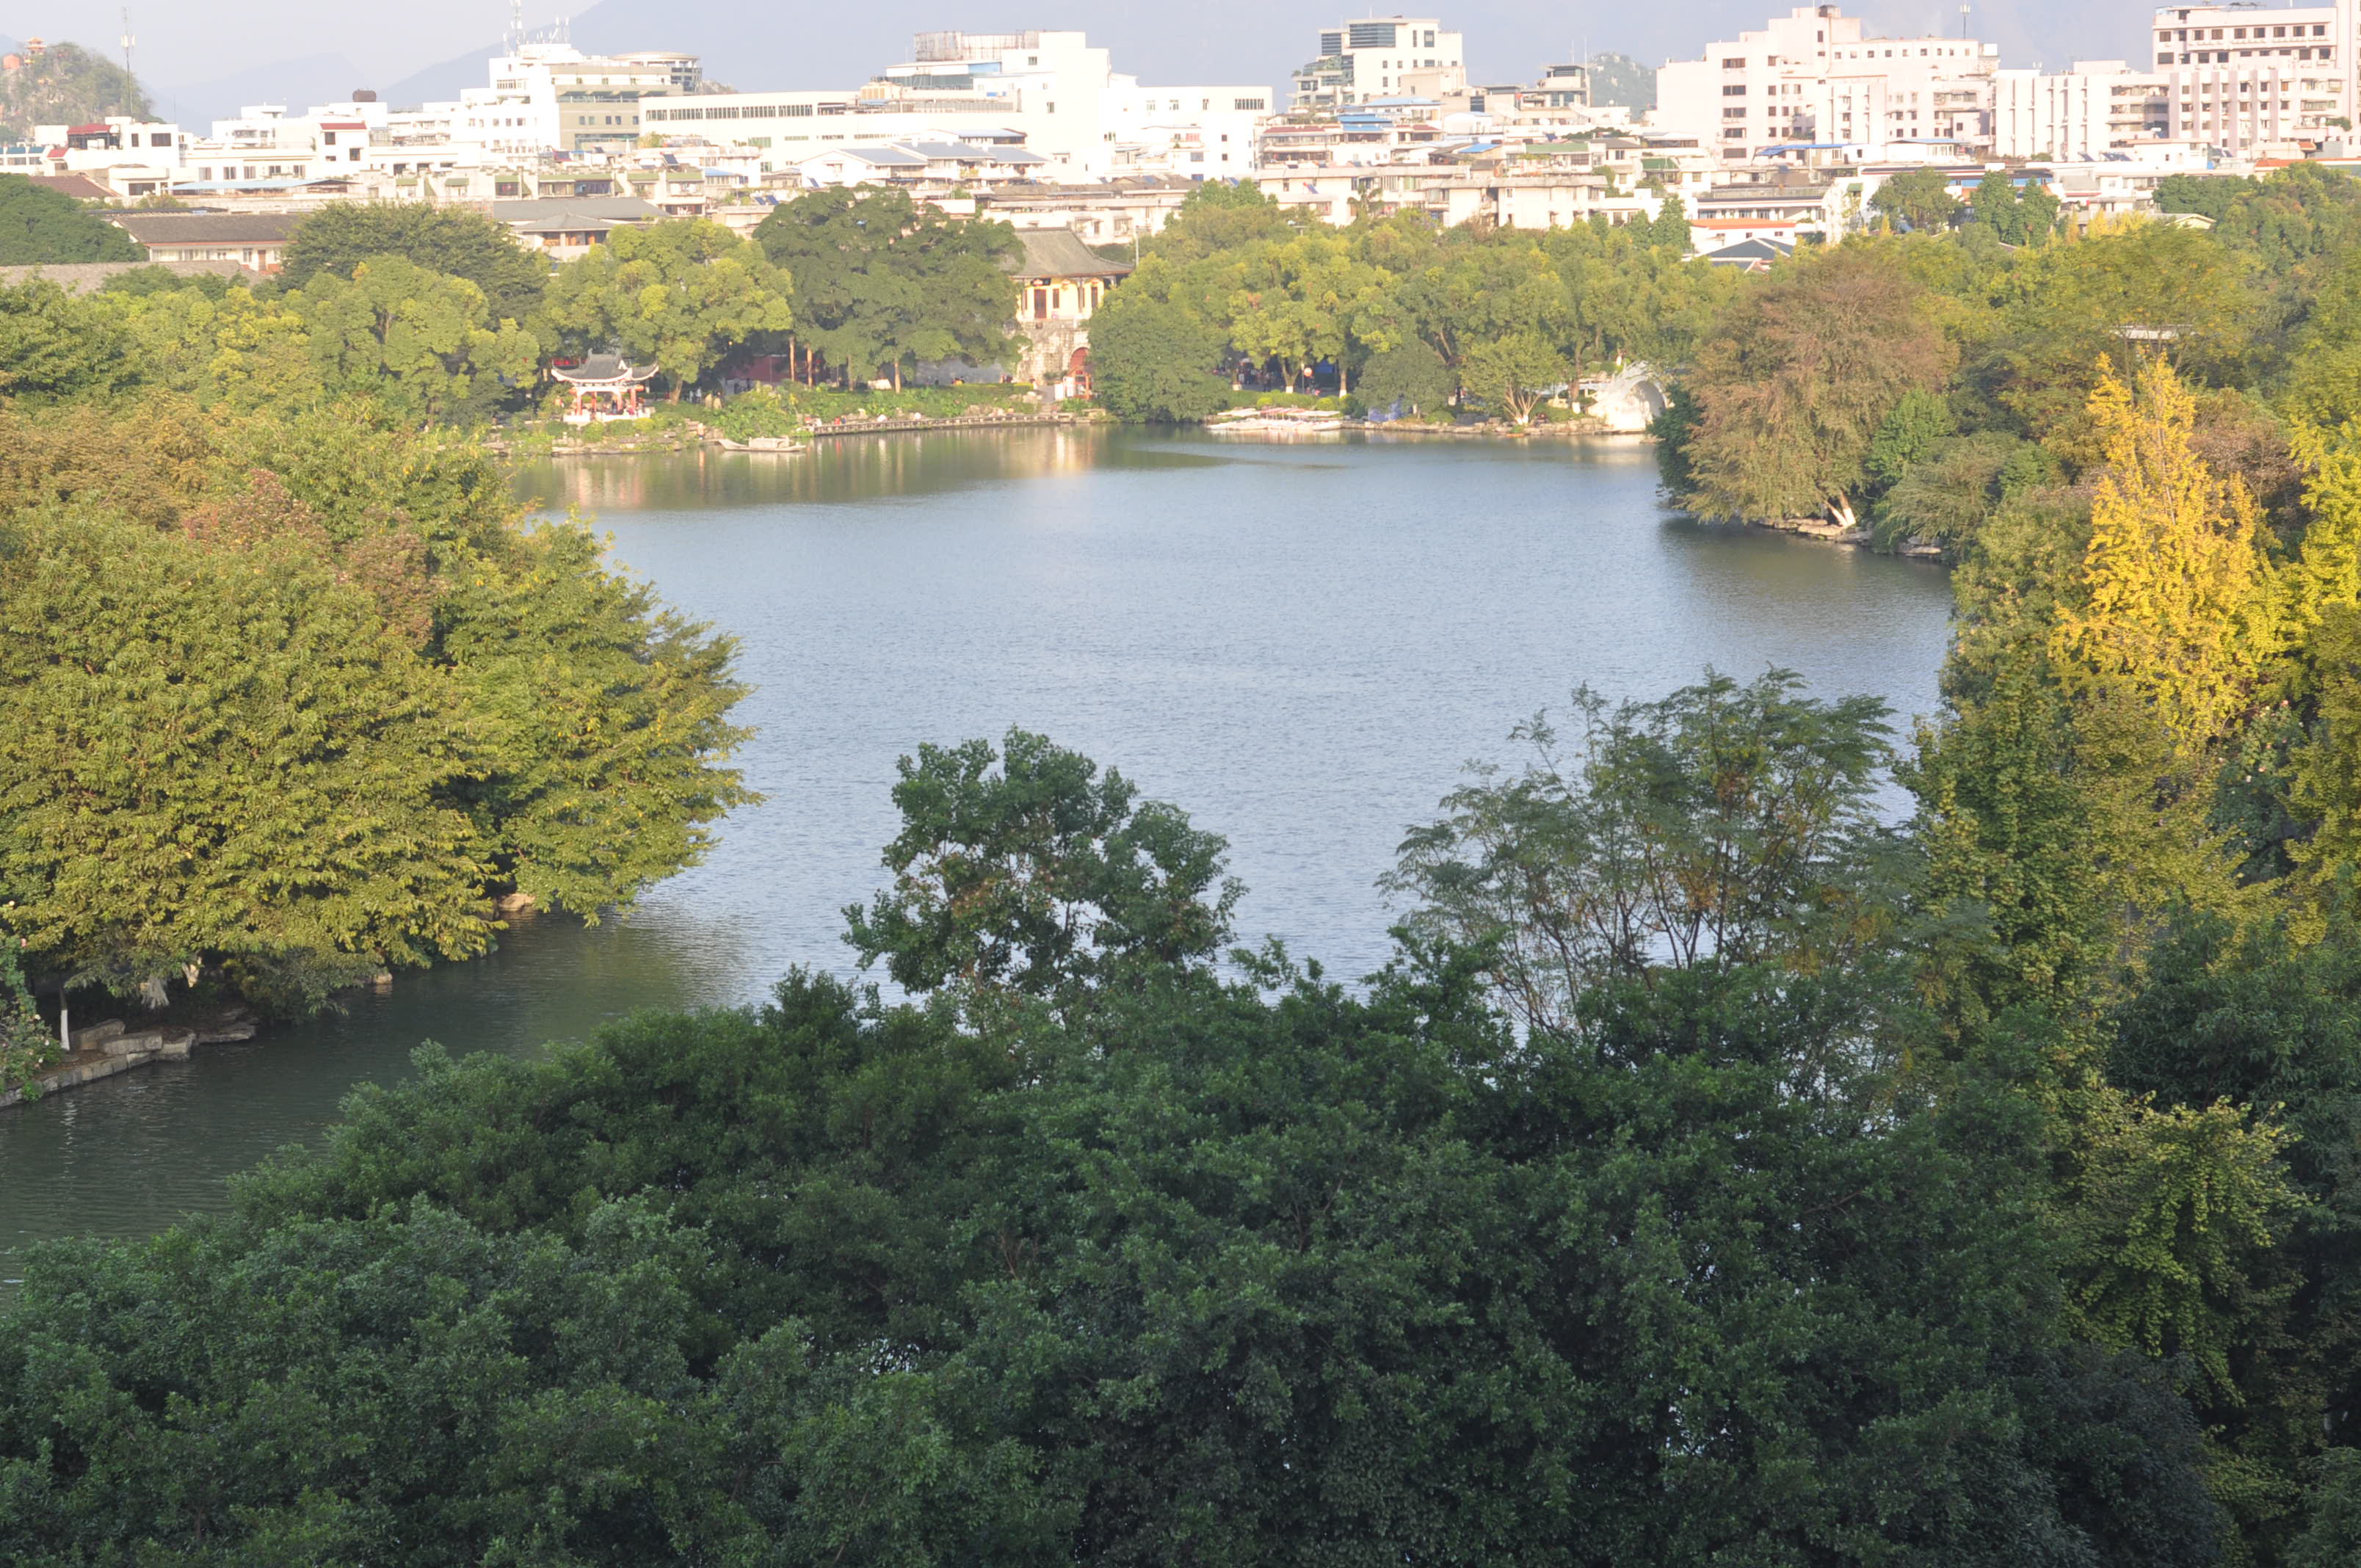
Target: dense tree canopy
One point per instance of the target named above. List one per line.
(301, 695)
(1218, 1269)
(879, 281)
(39, 225)
(678, 295)
(448, 240)
(424, 342)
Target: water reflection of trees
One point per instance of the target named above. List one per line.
(837, 469)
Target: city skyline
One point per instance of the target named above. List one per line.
(198, 68)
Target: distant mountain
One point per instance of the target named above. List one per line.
(68, 85)
(298, 83)
(440, 84)
(1618, 78)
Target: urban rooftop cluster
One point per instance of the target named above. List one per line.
(1782, 134)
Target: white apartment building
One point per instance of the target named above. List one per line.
(1812, 75)
(2094, 108)
(264, 142)
(104, 143)
(2244, 79)
(1050, 91)
(551, 97)
(1381, 57)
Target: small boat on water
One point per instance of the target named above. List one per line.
(1286, 423)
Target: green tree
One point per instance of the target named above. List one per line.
(1794, 386)
(27, 1044)
(1996, 203)
(1219, 218)
(54, 345)
(1909, 436)
(2208, 195)
(223, 755)
(1151, 359)
(1511, 374)
(1947, 495)
(1413, 374)
(676, 295)
(879, 280)
(424, 341)
(345, 699)
(1308, 300)
(1669, 230)
(1042, 876)
(2065, 314)
(1918, 198)
(39, 225)
(339, 237)
(1720, 824)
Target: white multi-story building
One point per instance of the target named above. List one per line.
(2244, 79)
(116, 139)
(1812, 75)
(1381, 57)
(264, 142)
(2083, 114)
(551, 97)
(1051, 91)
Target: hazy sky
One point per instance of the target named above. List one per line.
(814, 43)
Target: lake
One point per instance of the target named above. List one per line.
(1302, 645)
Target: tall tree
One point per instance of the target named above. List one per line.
(339, 237)
(422, 341)
(678, 295)
(1152, 359)
(878, 280)
(1792, 390)
(1918, 198)
(1511, 374)
(1040, 877)
(54, 345)
(39, 225)
(2177, 602)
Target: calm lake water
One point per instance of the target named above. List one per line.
(1300, 644)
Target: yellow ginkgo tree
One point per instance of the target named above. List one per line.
(2179, 607)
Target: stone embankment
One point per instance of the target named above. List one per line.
(1834, 533)
(893, 424)
(102, 1051)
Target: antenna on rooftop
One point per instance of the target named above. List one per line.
(127, 40)
(516, 25)
(1964, 23)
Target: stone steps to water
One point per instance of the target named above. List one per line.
(102, 1051)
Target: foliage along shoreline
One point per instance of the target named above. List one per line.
(1719, 1172)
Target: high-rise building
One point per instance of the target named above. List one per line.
(2241, 78)
(2083, 114)
(1381, 57)
(1812, 75)
(1054, 90)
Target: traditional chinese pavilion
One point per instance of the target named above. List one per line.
(604, 386)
